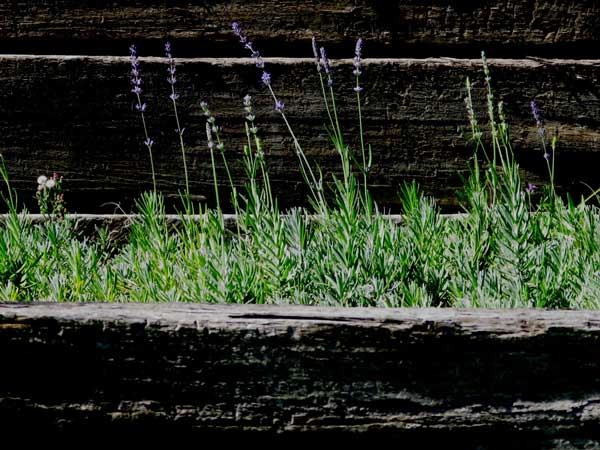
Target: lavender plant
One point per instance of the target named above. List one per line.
(505, 252)
(136, 89)
(179, 130)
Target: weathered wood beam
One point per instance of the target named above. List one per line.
(75, 115)
(440, 378)
(418, 27)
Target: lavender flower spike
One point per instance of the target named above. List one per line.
(326, 67)
(358, 57)
(536, 114)
(325, 61)
(316, 53)
(136, 80)
(237, 30)
(209, 136)
(530, 188)
(279, 106)
(171, 69)
(266, 78)
(357, 63)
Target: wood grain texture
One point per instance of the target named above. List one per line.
(284, 28)
(462, 378)
(75, 115)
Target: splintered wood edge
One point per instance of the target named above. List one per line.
(502, 322)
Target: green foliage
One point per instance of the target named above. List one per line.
(504, 252)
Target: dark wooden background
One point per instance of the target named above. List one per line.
(65, 104)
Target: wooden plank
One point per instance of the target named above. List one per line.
(283, 28)
(75, 115)
(426, 378)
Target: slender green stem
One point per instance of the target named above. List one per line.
(212, 159)
(324, 93)
(365, 169)
(181, 143)
(220, 146)
(4, 173)
(148, 143)
(335, 114)
(305, 165)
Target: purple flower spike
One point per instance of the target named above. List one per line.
(357, 62)
(536, 114)
(209, 136)
(539, 122)
(357, 89)
(255, 54)
(171, 79)
(358, 49)
(266, 78)
(325, 61)
(279, 106)
(316, 53)
(530, 188)
(237, 30)
(136, 80)
(326, 67)
(547, 156)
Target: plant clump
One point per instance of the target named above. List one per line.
(518, 245)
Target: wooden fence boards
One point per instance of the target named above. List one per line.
(75, 115)
(283, 28)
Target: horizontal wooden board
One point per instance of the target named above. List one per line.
(283, 28)
(76, 115)
(420, 378)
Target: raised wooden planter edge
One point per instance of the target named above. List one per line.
(441, 378)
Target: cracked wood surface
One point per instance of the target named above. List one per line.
(456, 378)
(75, 115)
(284, 28)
